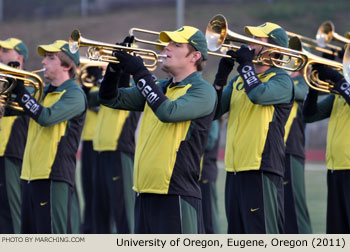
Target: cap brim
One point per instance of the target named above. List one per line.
(255, 31)
(159, 47)
(7, 45)
(166, 36)
(42, 49)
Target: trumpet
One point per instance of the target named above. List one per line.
(82, 74)
(326, 33)
(218, 35)
(311, 78)
(99, 51)
(8, 80)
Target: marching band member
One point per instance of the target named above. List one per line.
(88, 155)
(259, 101)
(48, 171)
(297, 219)
(13, 135)
(209, 174)
(177, 114)
(114, 141)
(336, 108)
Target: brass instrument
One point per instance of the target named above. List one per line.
(313, 44)
(160, 45)
(82, 74)
(99, 51)
(346, 63)
(6, 84)
(311, 78)
(218, 35)
(295, 59)
(155, 43)
(326, 33)
(9, 77)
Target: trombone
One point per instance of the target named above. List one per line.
(9, 77)
(99, 51)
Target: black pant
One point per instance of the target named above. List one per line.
(88, 167)
(254, 202)
(46, 207)
(6, 226)
(209, 207)
(10, 195)
(110, 202)
(338, 202)
(168, 214)
(297, 220)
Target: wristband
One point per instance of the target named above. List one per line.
(29, 104)
(343, 87)
(249, 76)
(150, 91)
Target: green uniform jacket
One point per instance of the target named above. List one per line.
(115, 130)
(13, 136)
(53, 140)
(90, 121)
(295, 127)
(172, 139)
(338, 134)
(256, 122)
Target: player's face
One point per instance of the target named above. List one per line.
(52, 65)
(177, 56)
(8, 55)
(258, 47)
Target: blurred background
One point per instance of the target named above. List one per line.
(44, 21)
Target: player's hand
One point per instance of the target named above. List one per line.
(225, 67)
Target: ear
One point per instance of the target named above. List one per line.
(20, 59)
(67, 68)
(196, 56)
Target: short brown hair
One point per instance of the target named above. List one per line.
(200, 63)
(66, 61)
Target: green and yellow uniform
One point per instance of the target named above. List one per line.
(13, 135)
(114, 140)
(297, 218)
(337, 110)
(49, 162)
(254, 156)
(88, 166)
(169, 147)
(209, 174)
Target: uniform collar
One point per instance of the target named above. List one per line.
(63, 86)
(187, 80)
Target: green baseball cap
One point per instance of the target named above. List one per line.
(269, 30)
(187, 35)
(16, 44)
(59, 46)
